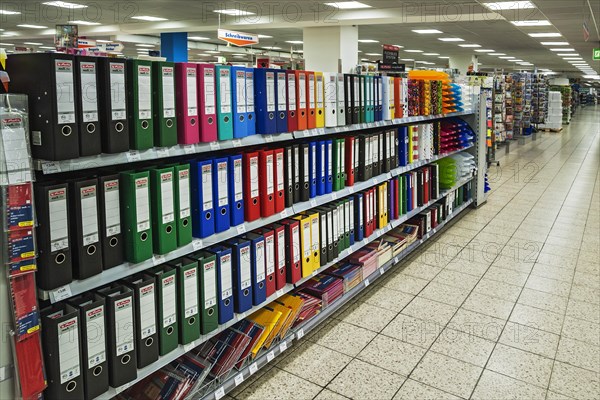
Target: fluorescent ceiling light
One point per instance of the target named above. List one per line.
(372, 54)
(444, 57)
(407, 59)
(555, 43)
(484, 51)
(469, 45)
(8, 34)
(545, 34)
(426, 31)
(591, 76)
(506, 57)
(509, 5)
(559, 49)
(367, 41)
(84, 23)
(6, 44)
(103, 41)
(497, 54)
(144, 45)
(234, 11)
(294, 41)
(298, 51)
(212, 52)
(48, 47)
(413, 51)
(149, 18)
(568, 54)
(533, 22)
(516, 60)
(6, 12)
(451, 39)
(33, 43)
(360, 51)
(400, 47)
(572, 58)
(264, 37)
(272, 48)
(197, 38)
(364, 59)
(64, 4)
(431, 54)
(32, 26)
(348, 5)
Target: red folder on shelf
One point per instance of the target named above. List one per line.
(311, 105)
(187, 103)
(279, 177)
(349, 155)
(270, 266)
(280, 264)
(301, 99)
(251, 187)
(398, 113)
(292, 250)
(292, 101)
(207, 99)
(266, 171)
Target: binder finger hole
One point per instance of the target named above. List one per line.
(125, 359)
(241, 118)
(270, 278)
(91, 250)
(208, 215)
(227, 302)
(90, 128)
(280, 194)
(66, 130)
(113, 242)
(270, 197)
(254, 201)
(320, 112)
(193, 122)
(250, 117)
(119, 127)
(144, 236)
(170, 330)
(169, 123)
(246, 292)
(281, 115)
(97, 371)
(223, 211)
(271, 116)
(239, 205)
(306, 185)
(210, 120)
(169, 229)
(145, 124)
(185, 222)
(191, 321)
(148, 342)
(71, 386)
(210, 311)
(292, 114)
(226, 119)
(302, 113)
(261, 285)
(60, 258)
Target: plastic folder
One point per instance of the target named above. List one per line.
(267, 318)
(168, 329)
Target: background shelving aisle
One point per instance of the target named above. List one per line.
(454, 319)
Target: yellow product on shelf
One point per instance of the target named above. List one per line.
(294, 303)
(281, 322)
(267, 318)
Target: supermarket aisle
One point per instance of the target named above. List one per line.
(505, 304)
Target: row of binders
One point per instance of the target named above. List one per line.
(83, 105)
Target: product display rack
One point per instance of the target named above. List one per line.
(566, 101)
(539, 100)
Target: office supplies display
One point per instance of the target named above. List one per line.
(86, 88)
(186, 79)
(207, 100)
(165, 127)
(140, 95)
(224, 102)
(114, 112)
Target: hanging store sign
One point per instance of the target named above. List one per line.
(391, 67)
(390, 54)
(237, 38)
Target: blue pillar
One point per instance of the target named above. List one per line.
(173, 46)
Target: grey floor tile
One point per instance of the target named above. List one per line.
(405, 283)
(344, 338)
(548, 271)
(583, 310)
(587, 280)
(463, 346)
(315, 363)
(537, 318)
(493, 385)
(367, 316)
(392, 354)
(447, 374)
(413, 330)
(421, 270)
(388, 299)
(458, 279)
(428, 310)
(270, 386)
(451, 295)
(530, 339)
(480, 325)
(491, 306)
(414, 390)
(547, 285)
(585, 294)
(521, 365)
(573, 381)
(360, 380)
(468, 267)
(579, 354)
(327, 394)
(543, 300)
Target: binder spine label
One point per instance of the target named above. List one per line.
(65, 91)
(96, 346)
(245, 271)
(330, 158)
(302, 87)
(319, 91)
(58, 221)
(260, 261)
(124, 325)
(147, 311)
(89, 91)
(313, 167)
(118, 91)
(225, 90)
(168, 82)
(281, 91)
(306, 239)
(254, 177)
(306, 165)
(315, 234)
(295, 244)
(184, 193)
(330, 233)
(68, 349)
(209, 91)
(322, 146)
(279, 164)
(237, 177)
(311, 91)
(142, 204)
(270, 178)
(351, 212)
(112, 208)
(270, 91)
(270, 254)
(281, 249)
(240, 91)
(169, 301)
(335, 218)
(144, 92)
(226, 282)
(289, 168)
(207, 195)
(222, 184)
(296, 160)
(249, 91)
(292, 92)
(89, 215)
(192, 97)
(190, 298)
(210, 284)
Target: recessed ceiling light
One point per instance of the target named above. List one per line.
(272, 48)
(264, 36)
(444, 57)
(212, 52)
(372, 54)
(516, 60)
(368, 41)
(484, 51)
(413, 51)
(48, 47)
(533, 22)
(197, 38)
(6, 12)
(8, 34)
(144, 45)
(33, 43)
(451, 39)
(591, 76)
(294, 41)
(431, 54)
(64, 4)
(572, 58)
(234, 11)
(6, 44)
(32, 26)
(555, 43)
(509, 5)
(565, 50)
(347, 5)
(497, 54)
(568, 54)
(103, 41)
(426, 31)
(506, 57)
(545, 34)
(469, 45)
(360, 51)
(400, 47)
(407, 59)
(149, 18)
(89, 23)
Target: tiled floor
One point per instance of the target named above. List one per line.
(505, 304)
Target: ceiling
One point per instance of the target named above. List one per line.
(387, 21)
